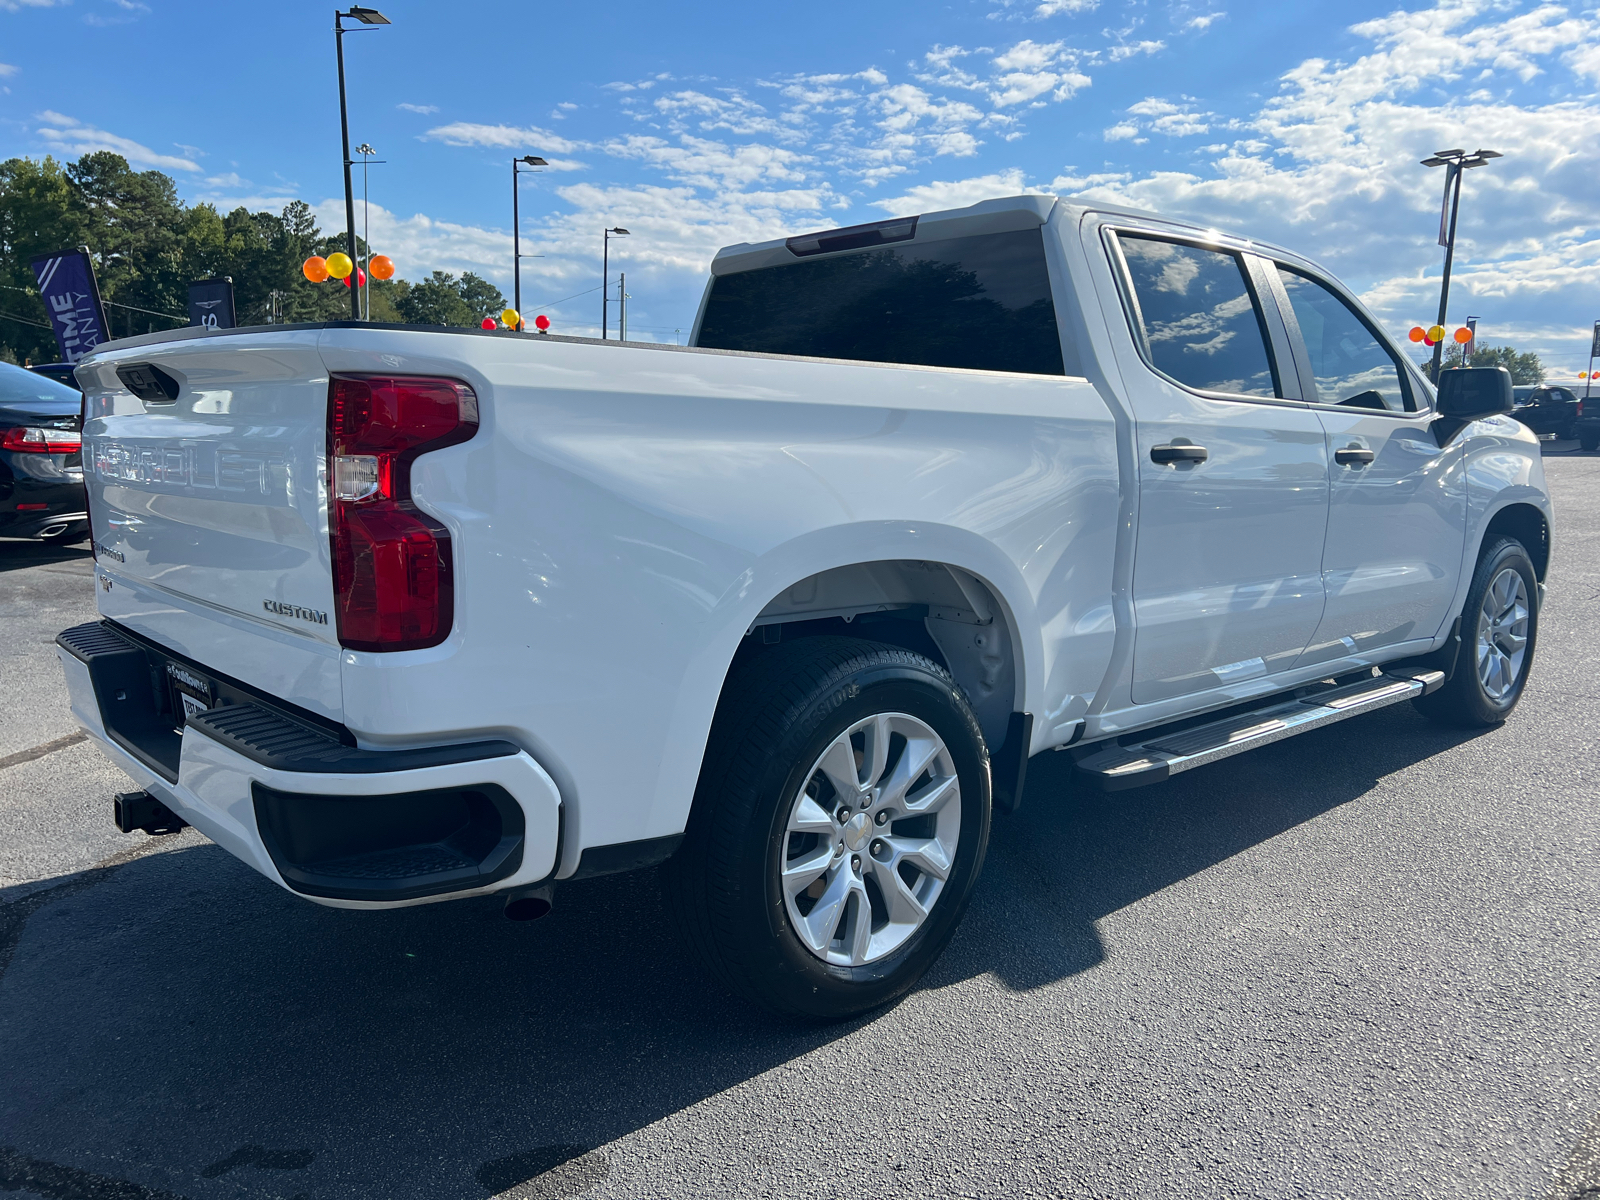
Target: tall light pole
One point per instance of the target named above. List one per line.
(367, 16)
(531, 160)
(366, 153)
(1457, 161)
(605, 275)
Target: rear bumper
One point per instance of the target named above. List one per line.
(339, 825)
(30, 524)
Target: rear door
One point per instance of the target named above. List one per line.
(1397, 516)
(1233, 474)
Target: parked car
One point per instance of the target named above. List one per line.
(1587, 427)
(41, 461)
(1547, 408)
(61, 372)
(441, 613)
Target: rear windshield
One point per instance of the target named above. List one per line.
(27, 391)
(981, 302)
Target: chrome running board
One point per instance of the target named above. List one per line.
(1152, 755)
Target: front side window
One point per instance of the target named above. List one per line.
(981, 302)
(1352, 367)
(1200, 322)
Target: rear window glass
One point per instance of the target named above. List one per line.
(22, 388)
(981, 302)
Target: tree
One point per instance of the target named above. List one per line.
(442, 299)
(1524, 367)
(148, 246)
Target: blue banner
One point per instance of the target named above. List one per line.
(71, 297)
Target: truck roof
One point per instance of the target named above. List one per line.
(1000, 215)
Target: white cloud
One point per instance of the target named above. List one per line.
(958, 193)
(1122, 132)
(1205, 22)
(1029, 70)
(19, 5)
(7, 70)
(69, 136)
(1126, 50)
(424, 109)
(1050, 8)
(465, 133)
(1332, 171)
(230, 180)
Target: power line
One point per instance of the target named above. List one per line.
(110, 303)
(24, 320)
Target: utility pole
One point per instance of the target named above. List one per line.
(622, 301)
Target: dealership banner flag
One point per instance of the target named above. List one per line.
(71, 297)
(211, 304)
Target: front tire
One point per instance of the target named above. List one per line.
(840, 822)
(1499, 626)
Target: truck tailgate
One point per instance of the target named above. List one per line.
(205, 465)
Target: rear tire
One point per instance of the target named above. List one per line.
(1499, 627)
(1589, 441)
(789, 905)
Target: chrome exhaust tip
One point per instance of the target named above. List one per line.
(529, 904)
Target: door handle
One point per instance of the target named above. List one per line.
(1182, 452)
(1352, 456)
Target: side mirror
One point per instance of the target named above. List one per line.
(1467, 393)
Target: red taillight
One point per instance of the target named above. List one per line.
(392, 578)
(31, 439)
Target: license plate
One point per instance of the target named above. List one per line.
(191, 690)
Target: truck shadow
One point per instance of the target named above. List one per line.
(186, 1024)
(15, 553)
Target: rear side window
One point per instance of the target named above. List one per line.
(981, 302)
(1199, 321)
(1352, 367)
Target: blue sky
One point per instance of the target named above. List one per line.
(700, 125)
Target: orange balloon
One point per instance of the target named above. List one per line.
(1417, 333)
(315, 268)
(382, 267)
(1463, 335)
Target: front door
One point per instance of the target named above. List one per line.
(1397, 513)
(1233, 478)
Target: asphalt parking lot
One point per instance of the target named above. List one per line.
(1361, 963)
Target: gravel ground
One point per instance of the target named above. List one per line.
(1360, 963)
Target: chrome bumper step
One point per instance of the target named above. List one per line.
(1152, 755)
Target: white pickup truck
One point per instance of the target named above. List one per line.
(400, 614)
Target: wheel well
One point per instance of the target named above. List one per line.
(1527, 524)
(932, 608)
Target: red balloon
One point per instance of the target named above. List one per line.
(541, 322)
(488, 322)
(361, 278)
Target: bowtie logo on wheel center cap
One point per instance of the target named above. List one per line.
(856, 831)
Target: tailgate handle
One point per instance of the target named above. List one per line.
(148, 382)
(1353, 455)
(1178, 452)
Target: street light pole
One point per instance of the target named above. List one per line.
(1457, 161)
(605, 275)
(367, 16)
(516, 231)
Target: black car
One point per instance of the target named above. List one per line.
(1588, 426)
(60, 372)
(1546, 408)
(41, 458)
